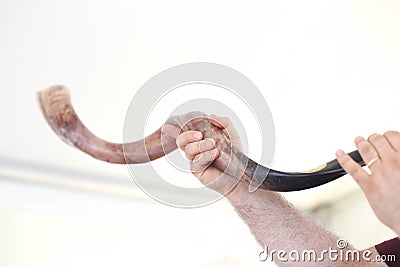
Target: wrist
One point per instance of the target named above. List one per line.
(240, 195)
(237, 194)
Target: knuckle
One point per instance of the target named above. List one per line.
(354, 171)
(182, 139)
(180, 143)
(358, 140)
(194, 169)
(378, 140)
(392, 164)
(363, 147)
(196, 161)
(374, 137)
(344, 162)
(206, 144)
(366, 149)
(206, 156)
(350, 168)
(391, 133)
(190, 149)
(188, 156)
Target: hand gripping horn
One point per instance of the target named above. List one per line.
(57, 109)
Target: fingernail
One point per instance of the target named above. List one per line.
(197, 135)
(339, 153)
(358, 139)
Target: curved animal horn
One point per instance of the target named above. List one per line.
(58, 111)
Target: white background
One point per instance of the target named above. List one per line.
(329, 71)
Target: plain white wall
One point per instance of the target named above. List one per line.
(328, 70)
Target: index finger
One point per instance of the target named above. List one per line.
(188, 137)
(352, 168)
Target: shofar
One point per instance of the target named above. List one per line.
(57, 109)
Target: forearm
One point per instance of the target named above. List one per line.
(277, 225)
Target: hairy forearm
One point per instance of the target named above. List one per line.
(277, 225)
